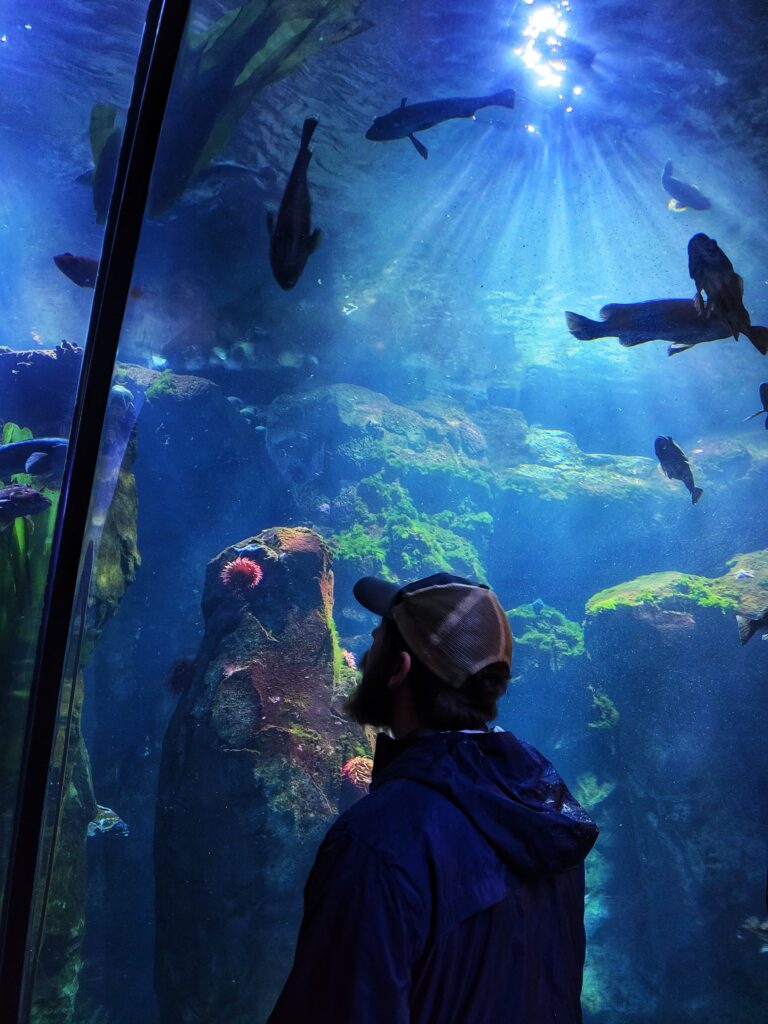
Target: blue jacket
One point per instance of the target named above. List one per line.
(452, 894)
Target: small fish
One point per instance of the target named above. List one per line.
(684, 196)
(764, 400)
(675, 465)
(292, 239)
(634, 323)
(18, 500)
(39, 456)
(82, 270)
(749, 625)
(712, 272)
(403, 121)
(106, 820)
(745, 574)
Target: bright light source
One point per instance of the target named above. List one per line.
(569, 110)
(577, 90)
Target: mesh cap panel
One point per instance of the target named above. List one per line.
(455, 629)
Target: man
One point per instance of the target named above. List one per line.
(454, 892)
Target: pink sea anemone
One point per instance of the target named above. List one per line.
(241, 574)
(357, 771)
(349, 659)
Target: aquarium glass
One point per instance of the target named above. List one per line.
(57, 62)
(500, 344)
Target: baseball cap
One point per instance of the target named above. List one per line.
(455, 627)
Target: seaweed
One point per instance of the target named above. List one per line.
(220, 72)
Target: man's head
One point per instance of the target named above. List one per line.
(441, 655)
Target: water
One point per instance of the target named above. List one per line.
(418, 402)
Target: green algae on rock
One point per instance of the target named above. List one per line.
(666, 589)
(543, 634)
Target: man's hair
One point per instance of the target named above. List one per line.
(469, 706)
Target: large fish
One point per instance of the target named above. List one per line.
(634, 323)
(39, 456)
(676, 465)
(684, 196)
(403, 121)
(712, 272)
(291, 236)
(19, 500)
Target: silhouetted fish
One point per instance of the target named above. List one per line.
(684, 196)
(291, 236)
(38, 456)
(764, 400)
(403, 121)
(82, 270)
(749, 625)
(713, 272)
(634, 323)
(676, 465)
(19, 500)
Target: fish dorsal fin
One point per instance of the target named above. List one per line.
(314, 239)
(403, 101)
(421, 149)
(764, 395)
(609, 310)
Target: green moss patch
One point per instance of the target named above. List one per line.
(662, 587)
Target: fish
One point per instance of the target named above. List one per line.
(292, 239)
(106, 820)
(684, 196)
(19, 500)
(712, 272)
(82, 270)
(764, 400)
(745, 574)
(751, 624)
(634, 323)
(39, 456)
(675, 465)
(404, 121)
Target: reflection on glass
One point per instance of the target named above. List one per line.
(469, 373)
(48, 59)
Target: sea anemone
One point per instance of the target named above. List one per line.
(349, 659)
(357, 771)
(241, 574)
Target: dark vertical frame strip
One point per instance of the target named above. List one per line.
(161, 42)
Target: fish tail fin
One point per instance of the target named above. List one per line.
(308, 130)
(760, 412)
(667, 169)
(583, 328)
(696, 493)
(759, 338)
(505, 98)
(747, 627)
(678, 346)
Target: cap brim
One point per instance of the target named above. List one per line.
(375, 594)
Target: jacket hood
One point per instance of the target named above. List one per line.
(509, 791)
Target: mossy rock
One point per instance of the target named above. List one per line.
(544, 636)
(660, 589)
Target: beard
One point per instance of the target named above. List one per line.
(370, 703)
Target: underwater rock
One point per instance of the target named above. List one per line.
(39, 386)
(250, 778)
(665, 648)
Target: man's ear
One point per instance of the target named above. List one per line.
(401, 671)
